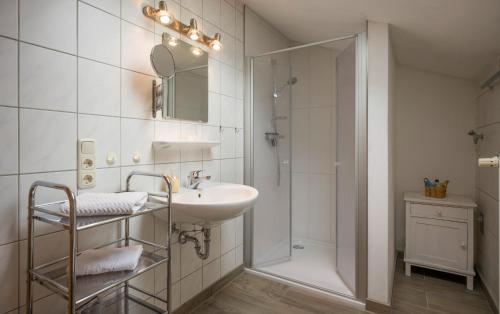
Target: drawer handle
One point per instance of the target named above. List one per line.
(463, 246)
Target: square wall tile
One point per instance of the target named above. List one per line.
(228, 18)
(136, 47)
(214, 75)
(228, 76)
(211, 273)
(211, 133)
(227, 262)
(238, 225)
(47, 79)
(195, 6)
(212, 168)
(98, 35)
(164, 131)
(111, 6)
(228, 111)
(320, 140)
(132, 12)
(228, 143)
(191, 286)
(190, 262)
(50, 23)
(135, 143)
(8, 18)
(98, 88)
(191, 132)
(214, 108)
(8, 209)
(227, 236)
(8, 140)
(238, 260)
(240, 26)
(320, 77)
(9, 271)
(8, 71)
(320, 209)
(300, 204)
(240, 171)
(240, 144)
(229, 50)
(228, 170)
(136, 95)
(47, 141)
(211, 11)
(106, 132)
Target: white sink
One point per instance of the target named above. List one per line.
(212, 204)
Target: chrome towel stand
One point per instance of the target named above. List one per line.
(109, 290)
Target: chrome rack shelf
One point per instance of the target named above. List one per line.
(108, 292)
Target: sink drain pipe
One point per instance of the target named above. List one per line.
(202, 253)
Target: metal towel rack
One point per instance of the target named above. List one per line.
(109, 292)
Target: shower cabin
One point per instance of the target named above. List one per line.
(306, 152)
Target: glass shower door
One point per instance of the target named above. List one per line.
(271, 159)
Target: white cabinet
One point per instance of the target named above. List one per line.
(439, 234)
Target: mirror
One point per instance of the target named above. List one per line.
(184, 72)
(162, 61)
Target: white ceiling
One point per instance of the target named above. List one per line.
(454, 37)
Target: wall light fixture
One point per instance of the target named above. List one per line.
(163, 16)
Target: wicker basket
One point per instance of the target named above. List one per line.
(437, 190)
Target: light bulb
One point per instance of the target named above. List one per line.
(193, 35)
(172, 41)
(193, 30)
(215, 43)
(165, 19)
(163, 15)
(196, 51)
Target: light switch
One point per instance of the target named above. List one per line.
(88, 147)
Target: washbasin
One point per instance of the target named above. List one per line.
(211, 204)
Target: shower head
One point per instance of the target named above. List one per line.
(291, 81)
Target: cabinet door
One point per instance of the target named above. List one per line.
(438, 242)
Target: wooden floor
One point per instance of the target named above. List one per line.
(428, 291)
(424, 292)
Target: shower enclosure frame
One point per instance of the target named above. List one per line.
(360, 292)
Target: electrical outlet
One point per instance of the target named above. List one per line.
(86, 164)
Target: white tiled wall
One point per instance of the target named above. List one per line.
(71, 69)
(313, 144)
(488, 122)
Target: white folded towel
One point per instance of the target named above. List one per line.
(98, 261)
(107, 204)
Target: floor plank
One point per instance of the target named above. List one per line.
(425, 292)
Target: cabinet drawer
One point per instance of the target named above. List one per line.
(438, 212)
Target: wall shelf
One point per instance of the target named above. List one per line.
(185, 145)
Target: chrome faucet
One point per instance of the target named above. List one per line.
(194, 179)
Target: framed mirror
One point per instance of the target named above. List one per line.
(183, 69)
